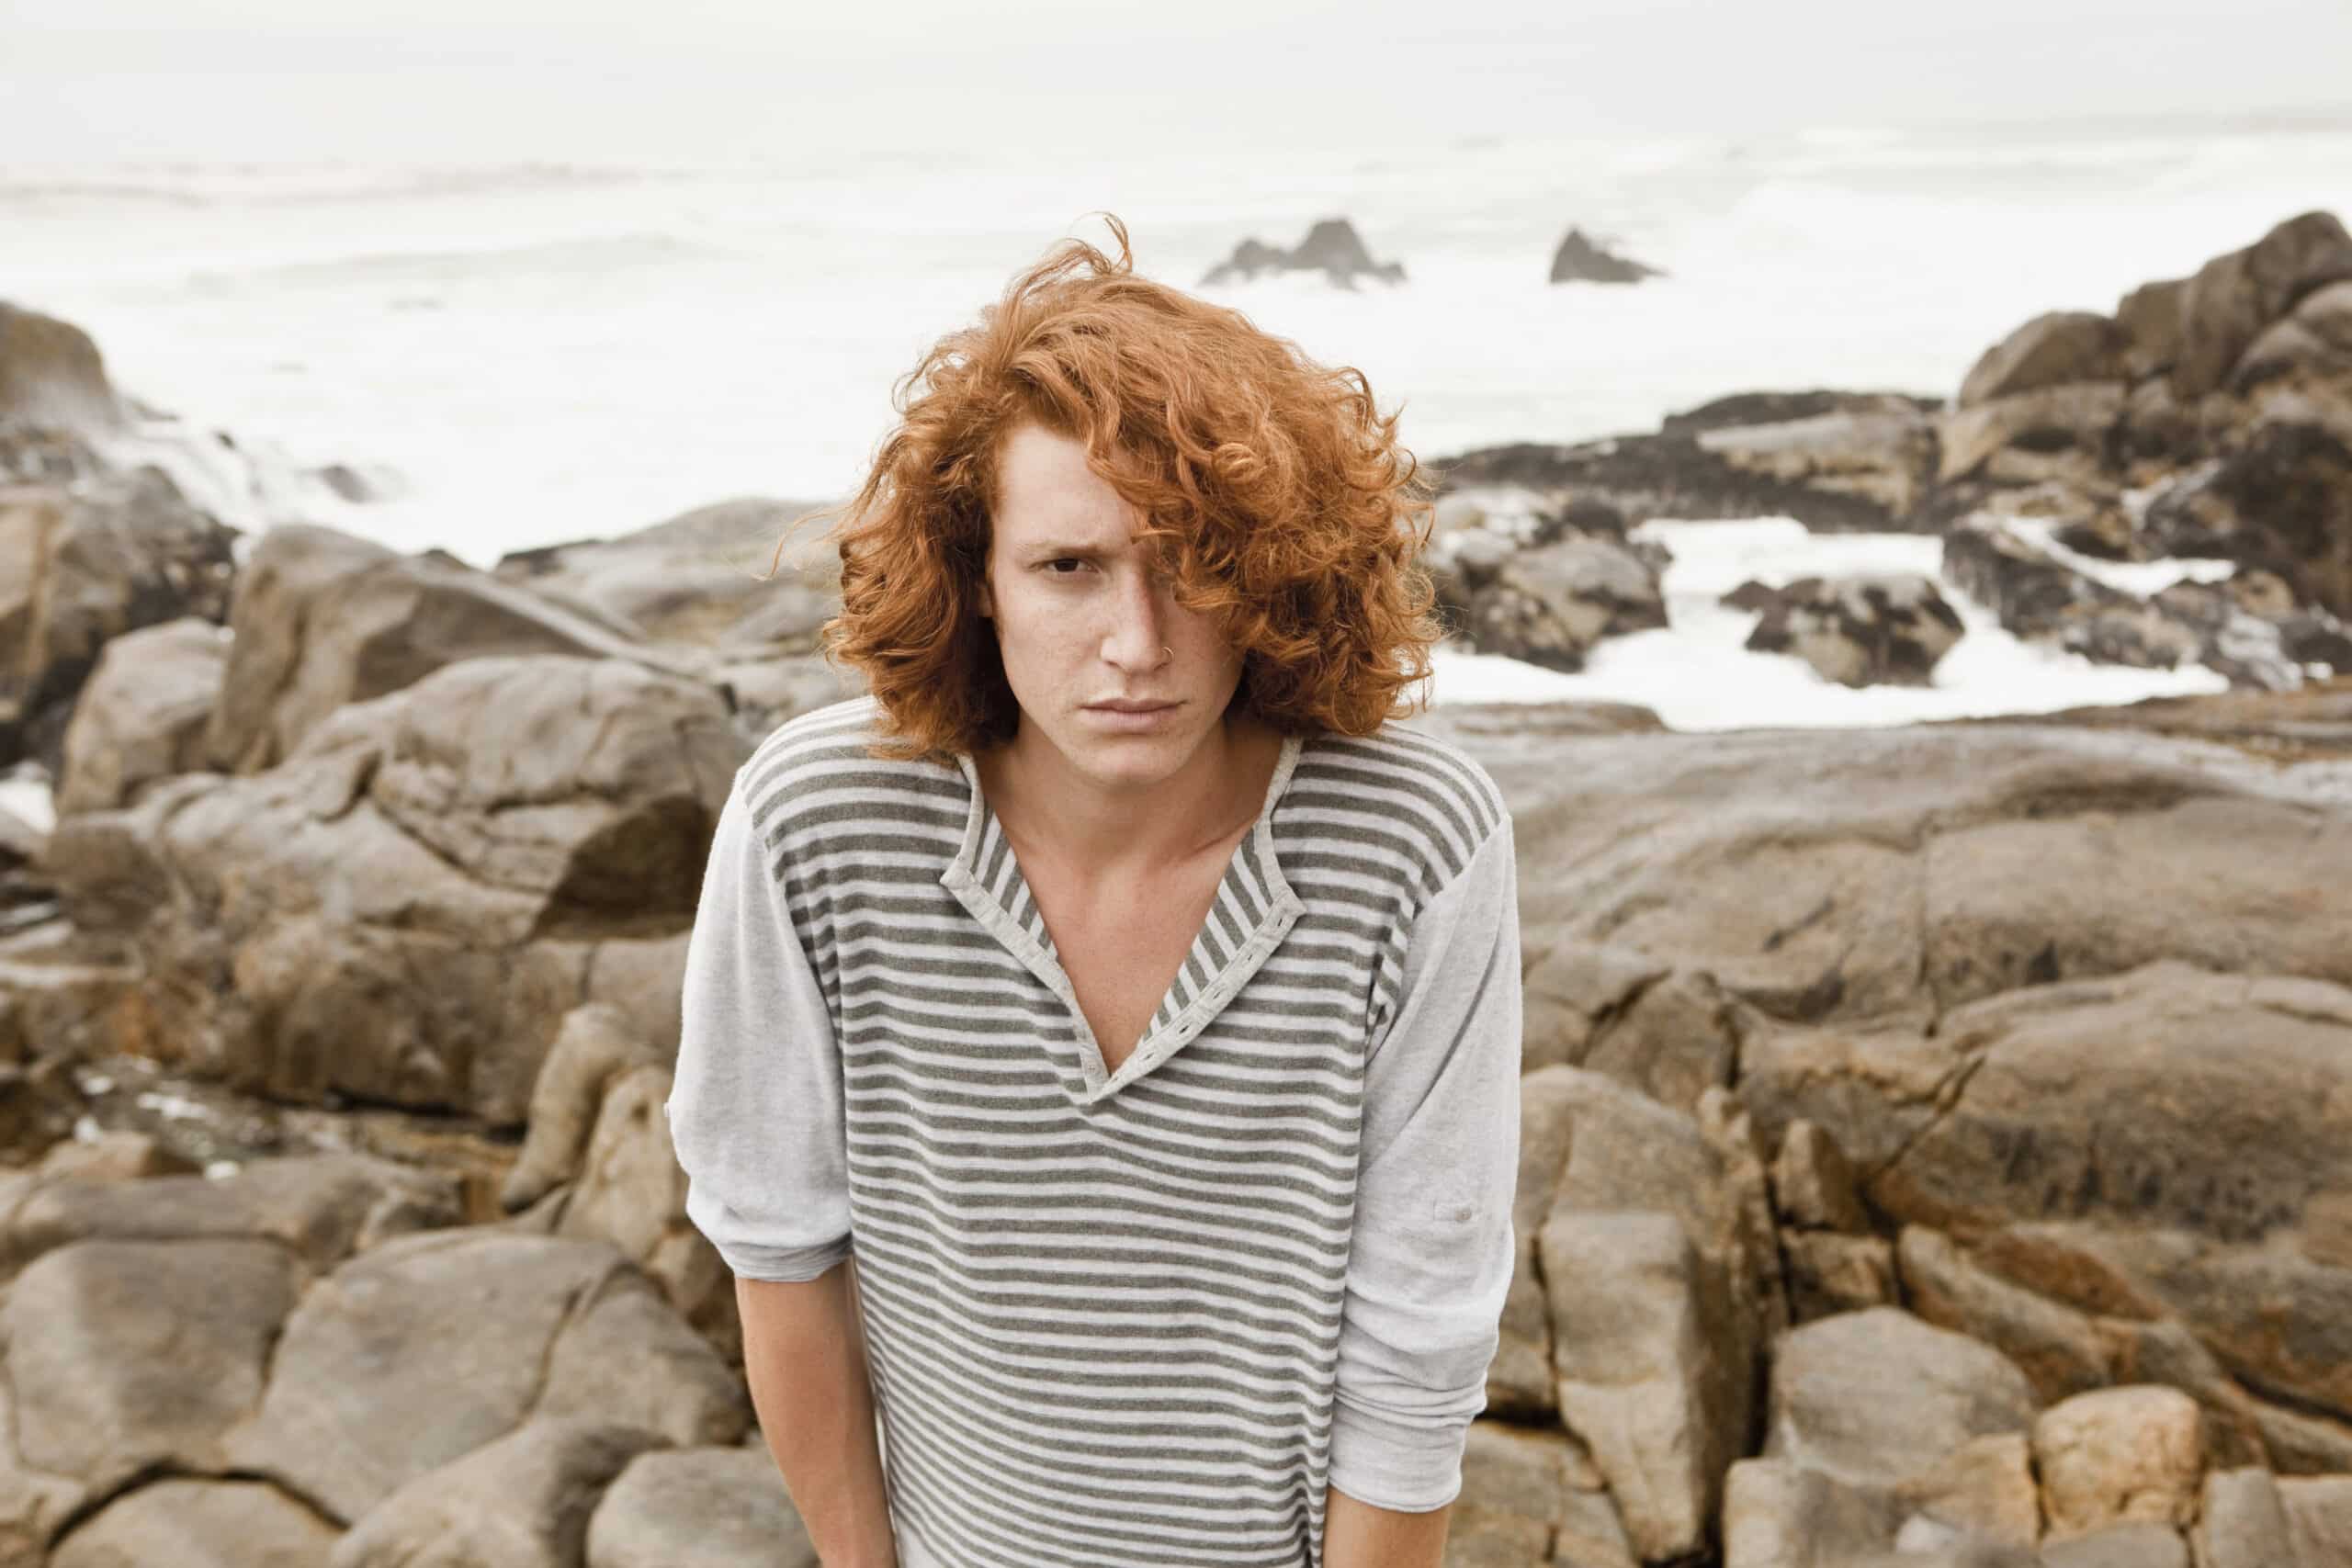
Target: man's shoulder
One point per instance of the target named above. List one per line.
(1431, 798)
(822, 754)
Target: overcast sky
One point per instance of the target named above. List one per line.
(434, 79)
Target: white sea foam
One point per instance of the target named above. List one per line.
(1696, 676)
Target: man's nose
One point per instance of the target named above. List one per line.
(1138, 621)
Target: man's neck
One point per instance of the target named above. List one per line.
(1056, 815)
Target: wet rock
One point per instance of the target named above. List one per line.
(469, 845)
(1549, 606)
(1859, 631)
(1582, 260)
(1332, 246)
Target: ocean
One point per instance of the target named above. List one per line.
(519, 353)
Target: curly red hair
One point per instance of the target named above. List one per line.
(1279, 497)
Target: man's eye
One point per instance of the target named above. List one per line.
(1059, 561)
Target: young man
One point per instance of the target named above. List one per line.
(1135, 1005)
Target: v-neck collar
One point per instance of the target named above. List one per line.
(1254, 909)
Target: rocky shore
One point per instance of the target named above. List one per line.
(1938, 1139)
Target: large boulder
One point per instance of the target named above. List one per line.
(2161, 1143)
(324, 619)
(701, 578)
(2225, 306)
(411, 904)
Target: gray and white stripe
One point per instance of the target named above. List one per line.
(1103, 1310)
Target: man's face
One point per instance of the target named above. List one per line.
(1083, 619)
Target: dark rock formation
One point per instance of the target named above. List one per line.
(1582, 260)
(1331, 247)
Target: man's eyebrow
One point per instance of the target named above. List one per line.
(1056, 548)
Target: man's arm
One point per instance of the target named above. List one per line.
(804, 1355)
(1433, 1252)
(1358, 1535)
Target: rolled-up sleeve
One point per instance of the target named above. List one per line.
(1431, 1256)
(755, 1103)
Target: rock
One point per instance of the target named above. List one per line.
(51, 373)
(1860, 631)
(1873, 1398)
(411, 1356)
(34, 1506)
(1580, 260)
(120, 1155)
(201, 1524)
(127, 1355)
(1532, 1496)
(1829, 1273)
(2173, 1124)
(318, 1209)
(1638, 1321)
(2243, 1522)
(2232, 298)
(2060, 1351)
(324, 620)
(80, 567)
(470, 845)
(627, 1356)
(700, 577)
(1778, 1514)
(1331, 247)
(632, 1194)
(1834, 461)
(1812, 1182)
(698, 1507)
(1589, 1145)
(2151, 316)
(2319, 1518)
(2282, 503)
(1882, 455)
(1984, 1488)
(1639, 1303)
(62, 992)
(593, 1046)
(2052, 431)
(143, 714)
(2120, 1546)
(2051, 350)
(2120, 1455)
(522, 1502)
(1551, 605)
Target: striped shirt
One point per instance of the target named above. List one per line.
(1141, 1316)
